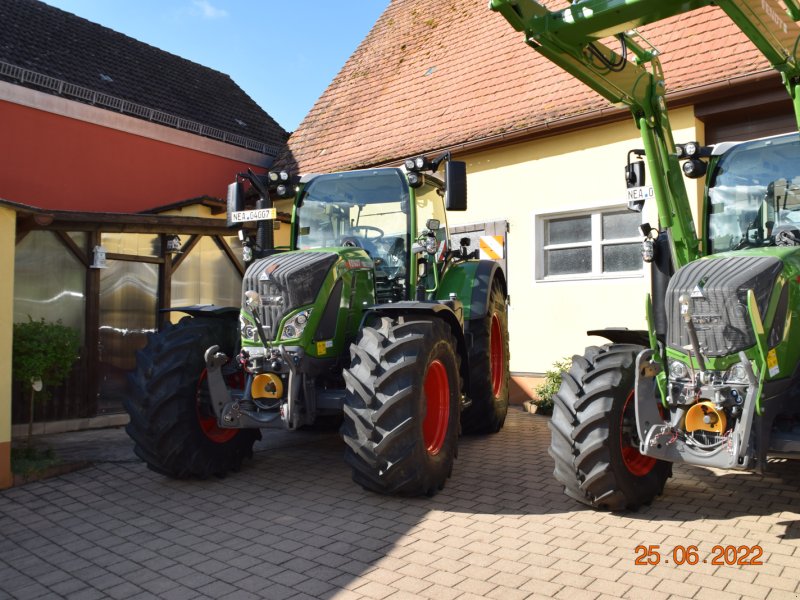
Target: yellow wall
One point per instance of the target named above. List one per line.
(7, 237)
(577, 171)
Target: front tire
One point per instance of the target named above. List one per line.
(402, 406)
(488, 368)
(593, 433)
(171, 421)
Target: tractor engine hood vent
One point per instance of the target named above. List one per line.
(286, 281)
(717, 291)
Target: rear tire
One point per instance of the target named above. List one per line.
(171, 421)
(594, 441)
(401, 409)
(488, 368)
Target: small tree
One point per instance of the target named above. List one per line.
(548, 389)
(43, 355)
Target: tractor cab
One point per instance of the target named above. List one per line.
(397, 216)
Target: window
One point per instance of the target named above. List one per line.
(604, 243)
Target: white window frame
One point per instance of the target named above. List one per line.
(596, 244)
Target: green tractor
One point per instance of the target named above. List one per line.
(370, 318)
(714, 380)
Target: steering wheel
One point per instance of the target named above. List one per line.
(366, 229)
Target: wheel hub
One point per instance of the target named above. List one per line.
(437, 415)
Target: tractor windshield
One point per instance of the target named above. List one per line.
(754, 193)
(363, 209)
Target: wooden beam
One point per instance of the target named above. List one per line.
(185, 250)
(223, 245)
(164, 284)
(135, 258)
(93, 327)
(73, 247)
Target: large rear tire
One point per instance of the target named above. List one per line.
(488, 368)
(171, 421)
(401, 409)
(594, 441)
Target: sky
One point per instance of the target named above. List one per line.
(282, 54)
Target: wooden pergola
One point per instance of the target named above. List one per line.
(82, 385)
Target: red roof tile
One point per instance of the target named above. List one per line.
(435, 74)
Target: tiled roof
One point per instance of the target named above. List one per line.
(434, 74)
(38, 39)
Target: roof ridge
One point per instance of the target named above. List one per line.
(98, 98)
(57, 44)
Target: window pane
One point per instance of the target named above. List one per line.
(619, 225)
(49, 282)
(127, 314)
(568, 261)
(569, 230)
(137, 244)
(622, 257)
(206, 276)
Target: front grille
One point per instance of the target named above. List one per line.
(717, 291)
(284, 282)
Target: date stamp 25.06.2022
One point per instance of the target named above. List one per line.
(692, 555)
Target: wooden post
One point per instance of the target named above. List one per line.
(8, 219)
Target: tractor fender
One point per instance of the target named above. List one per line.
(623, 335)
(472, 282)
(206, 310)
(450, 312)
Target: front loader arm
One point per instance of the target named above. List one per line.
(632, 75)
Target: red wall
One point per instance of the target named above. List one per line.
(58, 163)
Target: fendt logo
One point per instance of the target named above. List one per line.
(775, 16)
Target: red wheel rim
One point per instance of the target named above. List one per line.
(497, 356)
(637, 463)
(437, 415)
(208, 422)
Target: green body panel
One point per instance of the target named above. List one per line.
(355, 269)
(459, 279)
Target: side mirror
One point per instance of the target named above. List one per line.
(455, 182)
(235, 200)
(634, 174)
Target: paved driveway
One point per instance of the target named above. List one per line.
(293, 525)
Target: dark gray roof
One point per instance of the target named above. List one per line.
(57, 52)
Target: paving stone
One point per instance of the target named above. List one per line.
(500, 529)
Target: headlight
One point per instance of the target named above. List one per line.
(736, 374)
(247, 330)
(678, 370)
(293, 328)
(431, 244)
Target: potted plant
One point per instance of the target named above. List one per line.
(543, 402)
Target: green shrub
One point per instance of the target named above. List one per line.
(552, 381)
(44, 351)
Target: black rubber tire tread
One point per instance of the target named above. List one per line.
(487, 413)
(586, 428)
(163, 402)
(385, 406)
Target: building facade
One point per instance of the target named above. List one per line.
(545, 155)
(114, 165)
